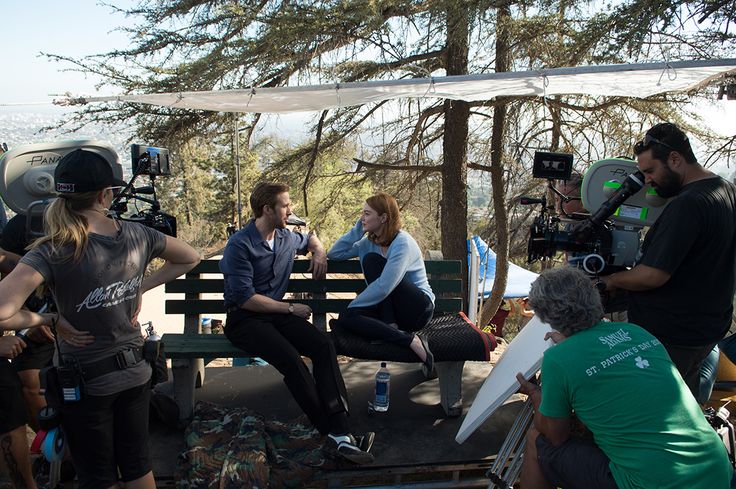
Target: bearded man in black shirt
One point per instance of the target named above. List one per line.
(682, 286)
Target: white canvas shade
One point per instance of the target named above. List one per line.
(624, 80)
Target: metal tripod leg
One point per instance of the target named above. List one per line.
(507, 465)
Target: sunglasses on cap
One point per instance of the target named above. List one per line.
(648, 140)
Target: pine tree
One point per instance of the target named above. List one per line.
(182, 45)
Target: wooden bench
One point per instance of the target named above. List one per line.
(188, 350)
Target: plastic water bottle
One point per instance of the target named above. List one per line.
(206, 325)
(383, 387)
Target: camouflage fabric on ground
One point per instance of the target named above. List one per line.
(238, 448)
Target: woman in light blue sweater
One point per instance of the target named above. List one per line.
(398, 300)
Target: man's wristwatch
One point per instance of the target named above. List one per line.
(291, 308)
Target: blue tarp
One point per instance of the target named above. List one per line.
(519, 279)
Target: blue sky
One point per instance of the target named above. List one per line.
(71, 28)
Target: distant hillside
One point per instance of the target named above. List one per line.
(18, 127)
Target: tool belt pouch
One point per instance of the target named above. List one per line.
(153, 352)
(50, 386)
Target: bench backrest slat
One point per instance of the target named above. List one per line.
(212, 285)
(344, 277)
(319, 306)
(448, 267)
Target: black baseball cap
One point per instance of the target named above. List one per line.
(84, 171)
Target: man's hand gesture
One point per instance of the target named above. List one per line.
(318, 266)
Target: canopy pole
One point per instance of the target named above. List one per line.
(237, 169)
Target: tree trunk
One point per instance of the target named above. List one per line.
(499, 197)
(454, 204)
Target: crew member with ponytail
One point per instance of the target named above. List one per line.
(95, 268)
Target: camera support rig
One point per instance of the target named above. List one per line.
(151, 161)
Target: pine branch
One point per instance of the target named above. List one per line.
(395, 166)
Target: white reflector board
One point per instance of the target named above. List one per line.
(524, 354)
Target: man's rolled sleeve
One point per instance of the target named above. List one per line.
(300, 241)
(238, 273)
(555, 393)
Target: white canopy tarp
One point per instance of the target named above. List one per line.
(626, 80)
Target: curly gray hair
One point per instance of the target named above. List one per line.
(566, 299)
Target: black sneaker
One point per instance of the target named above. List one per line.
(348, 450)
(365, 441)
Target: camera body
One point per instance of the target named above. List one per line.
(153, 162)
(158, 220)
(27, 171)
(607, 239)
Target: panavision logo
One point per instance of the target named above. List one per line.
(43, 159)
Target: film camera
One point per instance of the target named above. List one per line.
(606, 239)
(27, 181)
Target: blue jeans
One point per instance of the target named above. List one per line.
(575, 464)
(709, 369)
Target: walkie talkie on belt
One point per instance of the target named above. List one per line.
(69, 373)
(70, 380)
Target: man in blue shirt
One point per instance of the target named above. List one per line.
(256, 264)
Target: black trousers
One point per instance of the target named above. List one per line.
(406, 305)
(281, 340)
(107, 434)
(13, 412)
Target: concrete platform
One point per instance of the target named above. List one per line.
(413, 431)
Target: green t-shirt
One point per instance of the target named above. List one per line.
(620, 382)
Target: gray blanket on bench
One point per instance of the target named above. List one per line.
(451, 338)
